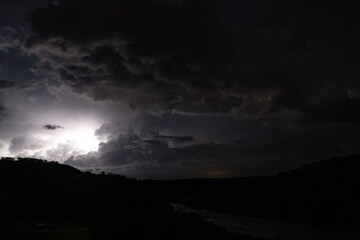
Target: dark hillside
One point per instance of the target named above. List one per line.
(47, 200)
(322, 192)
(41, 199)
(38, 192)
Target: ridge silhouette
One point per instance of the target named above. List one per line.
(48, 200)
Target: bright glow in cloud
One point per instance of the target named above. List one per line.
(55, 145)
(49, 129)
(81, 136)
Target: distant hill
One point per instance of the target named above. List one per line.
(325, 192)
(26, 167)
(37, 192)
(46, 200)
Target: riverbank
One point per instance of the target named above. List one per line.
(269, 229)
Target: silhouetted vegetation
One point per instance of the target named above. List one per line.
(47, 200)
(326, 192)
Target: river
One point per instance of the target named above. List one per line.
(269, 229)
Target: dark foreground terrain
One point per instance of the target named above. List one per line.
(47, 200)
(322, 192)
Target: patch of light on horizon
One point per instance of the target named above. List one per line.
(75, 138)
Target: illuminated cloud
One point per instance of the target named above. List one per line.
(185, 87)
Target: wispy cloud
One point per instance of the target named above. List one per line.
(52, 127)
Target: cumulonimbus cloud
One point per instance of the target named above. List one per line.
(201, 57)
(263, 69)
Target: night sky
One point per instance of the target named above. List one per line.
(169, 89)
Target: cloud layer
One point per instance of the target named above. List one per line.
(192, 87)
(3, 86)
(248, 58)
(52, 127)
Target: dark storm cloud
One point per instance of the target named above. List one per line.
(131, 147)
(246, 87)
(257, 150)
(24, 142)
(8, 38)
(245, 58)
(2, 112)
(132, 150)
(174, 138)
(3, 86)
(6, 84)
(52, 127)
